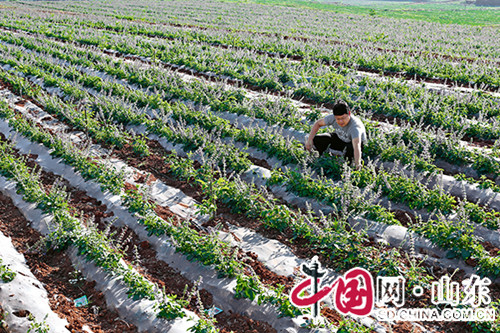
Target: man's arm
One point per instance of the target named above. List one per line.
(317, 125)
(356, 144)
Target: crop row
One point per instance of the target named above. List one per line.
(113, 136)
(385, 145)
(430, 199)
(475, 253)
(451, 40)
(194, 246)
(243, 198)
(232, 193)
(472, 114)
(191, 138)
(363, 54)
(183, 166)
(68, 230)
(187, 240)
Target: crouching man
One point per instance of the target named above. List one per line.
(349, 134)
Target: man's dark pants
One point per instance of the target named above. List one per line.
(325, 140)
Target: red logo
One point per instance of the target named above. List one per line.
(353, 292)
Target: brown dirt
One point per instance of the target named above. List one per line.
(405, 327)
(406, 218)
(55, 271)
(332, 315)
(21, 103)
(260, 162)
(266, 276)
(493, 250)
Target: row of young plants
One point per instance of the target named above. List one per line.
(430, 199)
(68, 230)
(456, 41)
(466, 105)
(90, 132)
(474, 113)
(273, 144)
(483, 262)
(425, 146)
(192, 137)
(456, 236)
(446, 147)
(218, 98)
(273, 113)
(347, 200)
(465, 128)
(203, 247)
(328, 236)
(274, 43)
(112, 135)
(231, 195)
(397, 187)
(207, 122)
(354, 55)
(200, 246)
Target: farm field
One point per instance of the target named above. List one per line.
(152, 161)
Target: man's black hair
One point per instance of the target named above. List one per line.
(341, 108)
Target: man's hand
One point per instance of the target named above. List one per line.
(317, 125)
(308, 145)
(359, 166)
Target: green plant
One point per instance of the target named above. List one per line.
(137, 202)
(55, 200)
(38, 327)
(348, 326)
(247, 287)
(169, 307)
(140, 146)
(488, 326)
(139, 287)
(209, 203)
(204, 324)
(6, 273)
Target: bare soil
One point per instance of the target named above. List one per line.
(55, 271)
